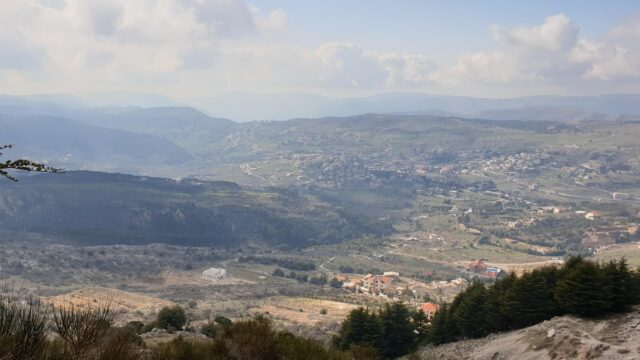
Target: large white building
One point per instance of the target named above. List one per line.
(214, 274)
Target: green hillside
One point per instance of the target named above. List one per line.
(97, 208)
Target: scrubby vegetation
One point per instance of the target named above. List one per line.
(31, 330)
(291, 264)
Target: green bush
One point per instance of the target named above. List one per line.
(171, 318)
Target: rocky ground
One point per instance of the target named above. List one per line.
(564, 337)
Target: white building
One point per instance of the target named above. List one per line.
(214, 274)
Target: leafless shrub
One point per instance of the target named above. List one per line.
(23, 326)
(81, 327)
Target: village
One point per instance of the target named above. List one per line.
(390, 285)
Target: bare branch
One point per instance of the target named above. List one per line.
(23, 165)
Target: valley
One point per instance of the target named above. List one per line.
(299, 212)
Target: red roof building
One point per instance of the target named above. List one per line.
(429, 309)
(477, 266)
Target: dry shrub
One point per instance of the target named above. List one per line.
(359, 352)
(181, 349)
(121, 344)
(252, 339)
(23, 327)
(81, 327)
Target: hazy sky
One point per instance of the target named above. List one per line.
(188, 48)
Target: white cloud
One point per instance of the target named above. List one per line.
(198, 47)
(552, 54)
(557, 33)
(402, 69)
(617, 57)
(82, 45)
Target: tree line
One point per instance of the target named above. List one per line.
(314, 280)
(580, 287)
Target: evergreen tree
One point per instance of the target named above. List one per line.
(438, 333)
(570, 264)
(469, 316)
(618, 282)
(529, 300)
(360, 327)
(420, 326)
(451, 327)
(496, 313)
(397, 332)
(581, 291)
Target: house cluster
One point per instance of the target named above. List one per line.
(384, 284)
(478, 267)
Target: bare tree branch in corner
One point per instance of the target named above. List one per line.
(21, 164)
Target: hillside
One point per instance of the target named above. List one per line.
(563, 337)
(243, 106)
(69, 143)
(99, 208)
(184, 126)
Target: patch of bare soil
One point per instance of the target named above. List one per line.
(305, 311)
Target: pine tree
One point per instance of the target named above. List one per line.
(420, 326)
(360, 328)
(397, 336)
(496, 313)
(469, 315)
(581, 291)
(438, 332)
(529, 300)
(618, 282)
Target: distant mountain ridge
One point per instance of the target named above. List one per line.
(246, 107)
(46, 138)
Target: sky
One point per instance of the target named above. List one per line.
(201, 48)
